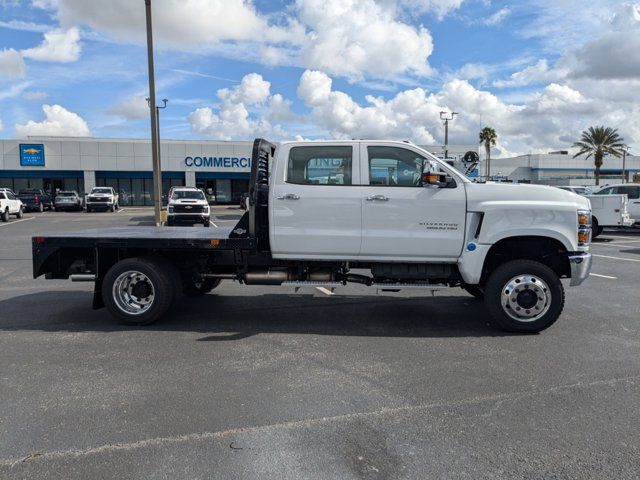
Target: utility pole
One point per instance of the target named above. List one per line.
(446, 117)
(624, 163)
(158, 149)
(155, 150)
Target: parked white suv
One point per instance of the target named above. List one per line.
(9, 205)
(631, 190)
(102, 198)
(188, 205)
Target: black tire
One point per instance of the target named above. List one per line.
(551, 298)
(474, 290)
(20, 213)
(4, 216)
(596, 229)
(41, 207)
(112, 208)
(89, 210)
(170, 222)
(158, 272)
(206, 223)
(195, 289)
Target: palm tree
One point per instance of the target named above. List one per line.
(489, 137)
(597, 141)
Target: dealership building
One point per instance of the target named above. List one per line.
(64, 163)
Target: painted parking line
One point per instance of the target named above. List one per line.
(121, 210)
(16, 221)
(617, 258)
(603, 276)
(626, 239)
(216, 226)
(614, 244)
(326, 291)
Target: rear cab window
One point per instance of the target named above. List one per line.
(320, 165)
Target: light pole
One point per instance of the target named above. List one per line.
(446, 116)
(624, 163)
(155, 153)
(157, 186)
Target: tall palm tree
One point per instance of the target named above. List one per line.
(489, 137)
(597, 141)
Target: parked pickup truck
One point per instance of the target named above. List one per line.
(35, 199)
(609, 211)
(102, 198)
(9, 205)
(321, 212)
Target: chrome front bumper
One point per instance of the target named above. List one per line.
(580, 267)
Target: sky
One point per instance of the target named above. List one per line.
(539, 72)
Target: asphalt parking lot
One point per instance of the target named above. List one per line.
(244, 383)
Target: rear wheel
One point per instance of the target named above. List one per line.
(138, 291)
(596, 229)
(195, 288)
(524, 296)
(20, 213)
(4, 216)
(41, 207)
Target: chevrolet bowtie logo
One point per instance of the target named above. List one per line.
(31, 151)
(188, 207)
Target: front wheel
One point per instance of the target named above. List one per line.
(20, 213)
(524, 296)
(41, 207)
(138, 291)
(4, 216)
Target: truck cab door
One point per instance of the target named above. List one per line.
(315, 211)
(402, 219)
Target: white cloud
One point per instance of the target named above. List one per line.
(11, 63)
(540, 72)
(439, 7)
(233, 119)
(497, 18)
(14, 90)
(133, 108)
(35, 95)
(357, 38)
(1, 126)
(58, 122)
(59, 45)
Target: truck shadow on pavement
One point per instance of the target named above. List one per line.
(233, 317)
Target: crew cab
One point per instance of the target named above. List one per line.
(9, 205)
(188, 205)
(384, 214)
(35, 199)
(102, 198)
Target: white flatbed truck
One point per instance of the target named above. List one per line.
(319, 211)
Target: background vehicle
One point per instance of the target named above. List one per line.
(244, 201)
(102, 198)
(577, 189)
(631, 190)
(188, 205)
(409, 220)
(35, 199)
(68, 201)
(211, 196)
(609, 211)
(9, 205)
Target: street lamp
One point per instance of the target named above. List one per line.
(446, 116)
(153, 112)
(625, 151)
(158, 186)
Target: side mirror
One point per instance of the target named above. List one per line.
(433, 175)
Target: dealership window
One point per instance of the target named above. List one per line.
(394, 167)
(137, 190)
(320, 165)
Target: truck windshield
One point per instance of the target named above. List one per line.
(190, 194)
(101, 190)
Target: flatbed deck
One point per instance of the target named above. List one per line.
(167, 237)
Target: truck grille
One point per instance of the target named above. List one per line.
(98, 199)
(188, 208)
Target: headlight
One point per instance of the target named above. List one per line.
(584, 228)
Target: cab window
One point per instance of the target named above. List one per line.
(631, 191)
(2, 197)
(394, 167)
(605, 191)
(320, 165)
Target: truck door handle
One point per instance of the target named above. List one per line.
(378, 198)
(289, 196)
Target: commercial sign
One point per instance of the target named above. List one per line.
(219, 163)
(31, 155)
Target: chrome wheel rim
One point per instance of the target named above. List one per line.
(133, 292)
(526, 298)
